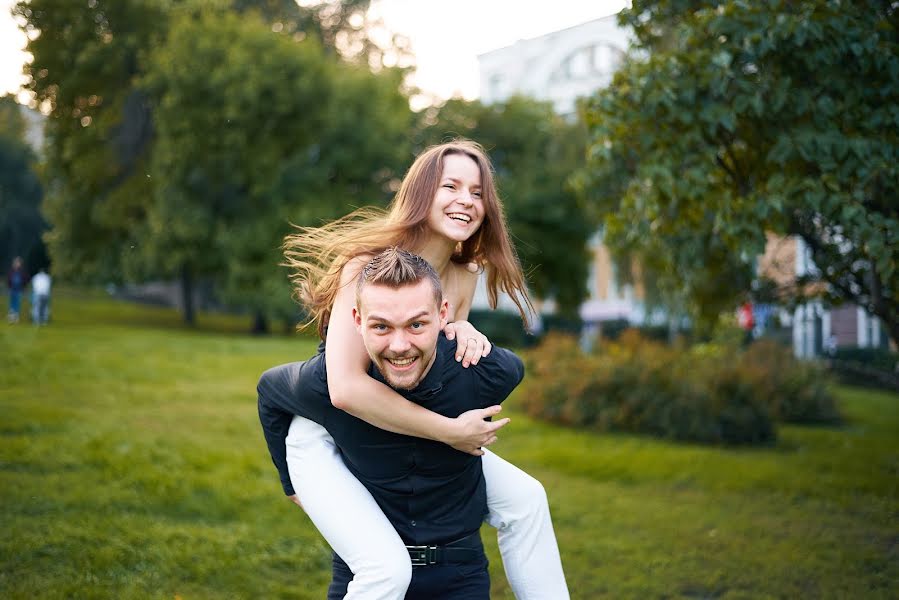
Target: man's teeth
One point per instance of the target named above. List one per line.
(460, 217)
(401, 362)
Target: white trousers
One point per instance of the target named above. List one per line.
(353, 524)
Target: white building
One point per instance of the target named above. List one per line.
(561, 67)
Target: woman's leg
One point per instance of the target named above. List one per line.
(518, 508)
(346, 515)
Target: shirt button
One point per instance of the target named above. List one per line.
(413, 523)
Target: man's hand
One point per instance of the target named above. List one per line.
(471, 344)
(471, 431)
(295, 500)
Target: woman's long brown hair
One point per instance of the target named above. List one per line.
(317, 255)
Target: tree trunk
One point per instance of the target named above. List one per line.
(187, 295)
(260, 324)
(892, 331)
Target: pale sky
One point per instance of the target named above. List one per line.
(446, 35)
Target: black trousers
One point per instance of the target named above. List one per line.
(451, 581)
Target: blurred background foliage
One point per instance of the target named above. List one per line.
(735, 119)
(184, 138)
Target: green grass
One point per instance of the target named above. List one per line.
(132, 465)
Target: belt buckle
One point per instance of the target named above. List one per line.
(422, 556)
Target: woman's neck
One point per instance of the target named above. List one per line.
(438, 253)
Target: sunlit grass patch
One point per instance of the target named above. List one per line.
(132, 465)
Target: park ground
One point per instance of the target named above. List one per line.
(132, 465)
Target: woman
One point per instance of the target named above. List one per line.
(447, 211)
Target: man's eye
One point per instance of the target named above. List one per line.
(379, 327)
(417, 325)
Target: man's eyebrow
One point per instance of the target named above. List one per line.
(416, 317)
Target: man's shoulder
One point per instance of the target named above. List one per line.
(499, 359)
(290, 377)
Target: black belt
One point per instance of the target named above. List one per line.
(466, 550)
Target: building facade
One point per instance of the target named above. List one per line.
(816, 328)
(561, 67)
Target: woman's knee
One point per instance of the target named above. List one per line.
(389, 573)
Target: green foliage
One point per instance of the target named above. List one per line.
(147, 478)
(501, 328)
(534, 152)
(869, 367)
(87, 60)
(185, 138)
(21, 223)
(706, 393)
(735, 118)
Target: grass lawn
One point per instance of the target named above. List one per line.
(132, 465)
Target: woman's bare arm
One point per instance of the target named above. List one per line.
(352, 390)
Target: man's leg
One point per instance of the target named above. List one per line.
(43, 302)
(519, 510)
(346, 515)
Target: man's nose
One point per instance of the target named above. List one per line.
(399, 342)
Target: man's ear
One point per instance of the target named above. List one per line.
(357, 319)
(443, 313)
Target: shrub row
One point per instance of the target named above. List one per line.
(706, 393)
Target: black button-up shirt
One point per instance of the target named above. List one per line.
(431, 493)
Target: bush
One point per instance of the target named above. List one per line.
(869, 367)
(501, 328)
(708, 393)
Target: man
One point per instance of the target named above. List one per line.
(16, 279)
(40, 297)
(434, 496)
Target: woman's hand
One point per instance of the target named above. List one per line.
(471, 432)
(471, 344)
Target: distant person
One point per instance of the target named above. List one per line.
(16, 279)
(40, 297)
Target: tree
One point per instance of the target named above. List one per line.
(733, 119)
(534, 152)
(274, 132)
(87, 60)
(157, 171)
(21, 224)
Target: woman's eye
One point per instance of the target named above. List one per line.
(449, 186)
(476, 194)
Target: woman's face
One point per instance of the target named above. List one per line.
(457, 210)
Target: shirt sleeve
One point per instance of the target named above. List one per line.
(497, 374)
(283, 392)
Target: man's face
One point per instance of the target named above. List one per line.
(399, 328)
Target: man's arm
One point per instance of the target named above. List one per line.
(280, 398)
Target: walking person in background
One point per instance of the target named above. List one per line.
(40, 297)
(16, 279)
(447, 211)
